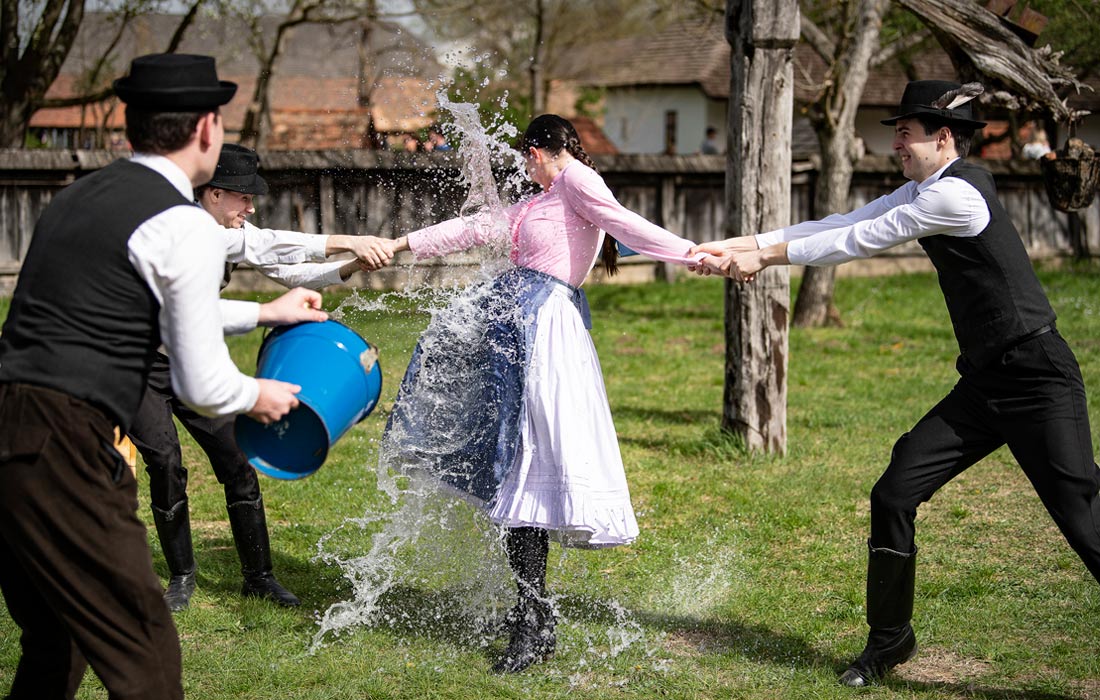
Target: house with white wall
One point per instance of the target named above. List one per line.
(661, 91)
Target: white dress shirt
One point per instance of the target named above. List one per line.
(180, 253)
(948, 206)
(263, 249)
(264, 246)
(314, 276)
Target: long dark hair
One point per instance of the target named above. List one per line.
(554, 134)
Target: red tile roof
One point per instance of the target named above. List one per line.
(314, 93)
(593, 138)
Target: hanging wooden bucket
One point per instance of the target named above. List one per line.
(1072, 176)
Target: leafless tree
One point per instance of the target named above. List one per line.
(36, 44)
(982, 48)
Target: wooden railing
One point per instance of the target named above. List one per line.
(388, 194)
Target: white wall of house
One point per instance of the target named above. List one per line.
(717, 114)
(877, 137)
(635, 117)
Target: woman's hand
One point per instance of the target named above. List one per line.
(737, 244)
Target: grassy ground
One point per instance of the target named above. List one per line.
(747, 581)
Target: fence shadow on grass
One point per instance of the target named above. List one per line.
(749, 640)
(973, 690)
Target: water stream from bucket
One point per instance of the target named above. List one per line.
(420, 561)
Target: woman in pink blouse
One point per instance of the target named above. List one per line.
(504, 400)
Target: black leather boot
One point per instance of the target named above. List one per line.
(890, 581)
(174, 532)
(249, 524)
(531, 635)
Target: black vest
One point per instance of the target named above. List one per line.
(82, 320)
(990, 287)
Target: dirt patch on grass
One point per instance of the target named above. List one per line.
(692, 642)
(942, 666)
(1090, 690)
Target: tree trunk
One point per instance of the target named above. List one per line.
(253, 127)
(30, 63)
(538, 57)
(368, 76)
(13, 122)
(814, 306)
(834, 120)
(762, 35)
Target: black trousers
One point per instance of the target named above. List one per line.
(75, 567)
(154, 434)
(1031, 398)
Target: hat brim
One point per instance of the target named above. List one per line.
(245, 184)
(177, 99)
(934, 114)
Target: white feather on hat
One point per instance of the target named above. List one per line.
(959, 96)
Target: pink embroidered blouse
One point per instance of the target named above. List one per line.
(558, 231)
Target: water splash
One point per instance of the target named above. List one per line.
(421, 561)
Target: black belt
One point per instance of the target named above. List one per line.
(981, 359)
(1033, 334)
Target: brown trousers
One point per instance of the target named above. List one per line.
(75, 568)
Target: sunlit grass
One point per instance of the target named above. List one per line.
(747, 580)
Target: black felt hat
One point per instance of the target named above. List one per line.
(237, 171)
(931, 98)
(174, 82)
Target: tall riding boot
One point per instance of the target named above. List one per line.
(531, 636)
(249, 524)
(174, 533)
(890, 580)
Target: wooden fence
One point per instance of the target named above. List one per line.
(388, 194)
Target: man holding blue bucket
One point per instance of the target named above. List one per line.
(120, 261)
(283, 256)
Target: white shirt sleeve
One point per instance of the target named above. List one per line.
(180, 253)
(265, 246)
(949, 206)
(873, 209)
(309, 275)
(936, 206)
(238, 317)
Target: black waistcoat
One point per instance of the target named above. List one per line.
(82, 320)
(990, 287)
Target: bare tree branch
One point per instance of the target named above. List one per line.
(182, 27)
(818, 40)
(983, 47)
(890, 52)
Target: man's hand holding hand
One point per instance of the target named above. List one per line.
(737, 244)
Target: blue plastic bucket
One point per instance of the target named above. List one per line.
(341, 381)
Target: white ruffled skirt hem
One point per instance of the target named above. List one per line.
(569, 476)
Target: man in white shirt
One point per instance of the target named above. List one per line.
(282, 256)
(1019, 383)
(120, 262)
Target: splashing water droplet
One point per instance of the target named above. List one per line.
(418, 560)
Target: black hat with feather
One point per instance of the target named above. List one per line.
(942, 100)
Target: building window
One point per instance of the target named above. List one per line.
(670, 132)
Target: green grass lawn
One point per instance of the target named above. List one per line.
(748, 578)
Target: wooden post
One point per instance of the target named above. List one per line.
(762, 36)
(327, 204)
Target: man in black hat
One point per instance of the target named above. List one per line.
(120, 261)
(1019, 382)
(279, 255)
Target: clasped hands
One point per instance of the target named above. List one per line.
(738, 258)
(371, 252)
